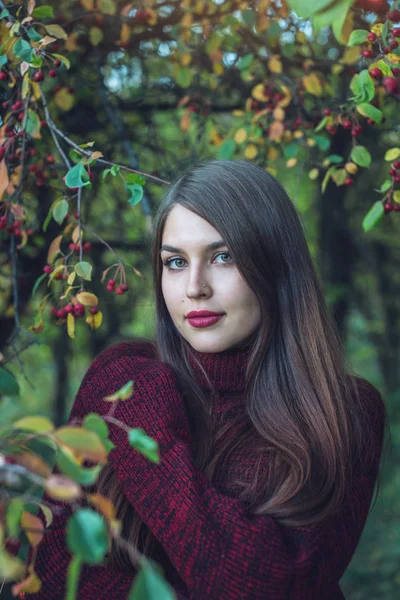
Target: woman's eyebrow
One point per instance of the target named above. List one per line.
(211, 246)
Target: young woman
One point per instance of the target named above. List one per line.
(270, 448)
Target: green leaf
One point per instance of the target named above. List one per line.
(321, 124)
(63, 59)
(184, 77)
(136, 193)
(114, 171)
(370, 111)
(36, 61)
(226, 150)
(87, 536)
(23, 50)
(385, 31)
(305, 8)
(8, 384)
(357, 37)
(4, 13)
(77, 177)
(3, 59)
(139, 440)
(322, 142)
(133, 177)
(36, 423)
(361, 156)
(37, 283)
(48, 219)
(93, 422)
(34, 35)
(84, 270)
(60, 211)
(13, 517)
(392, 154)
(149, 584)
(41, 12)
(79, 474)
(385, 68)
(32, 123)
(124, 393)
(365, 90)
(291, 151)
(373, 216)
(245, 61)
(384, 187)
(334, 159)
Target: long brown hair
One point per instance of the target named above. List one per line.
(303, 405)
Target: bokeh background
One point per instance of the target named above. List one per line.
(157, 86)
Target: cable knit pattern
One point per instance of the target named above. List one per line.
(218, 552)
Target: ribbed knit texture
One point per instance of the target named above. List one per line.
(218, 552)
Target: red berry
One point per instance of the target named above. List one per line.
(58, 276)
(394, 15)
(392, 172)
(326, 112)
(47, 269)
(396, 207)
(52, 73)
(370, 122)
(112, 282)
(10, 134)
(3, 76)
(354, 132)
(396, 33)
(367, 53)
(393, 45)
(396, 164)
(391, 85)
(375, 72)
(397, 179)
(371, 37)
(331, 129)
(38, 76)
(69, 309)
(43, 123)
(87, 246)
(71, 246)
(61, 314)
(54, 311)
(50, 158)
(386, 51)
(57, 88)
(57, 62)
(109, 288)
(124, 287)
(395, 71)
(94, 310)
(119, 291)
(32, 168)
(2, 152)
(346, 124)
(20, 116)
(387, 207)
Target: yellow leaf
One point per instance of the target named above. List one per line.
(30, 585)
(185, 121)
(393, 58)
(71, 278)
(279, 114)
(55, 272)
(240, 135)
(215, 138)
(258, 93)
(11, 567)
(313, 174)
(187, 20)
(37, 424)
(33, 527)
(218, 68)
(251, 151)
(312, 84)
(54, 249)
(88, 4)
(377, 29)
(94, 321)
(71, 44)
(287, 96)
(291, 162)
(37, 328)
(67, 291)
(272, 154)
(351, 55)
(275, 64)
(75, 235)
(107, 7)
(4, 180)
(392, 154)
(396, 196)
(125, 33)
(351, 168)
(337, 69)
(103, 505)
(71, 325)
(46, 40)
(238, 113)
(298, 135)
(62, 488)
(87, 299)
(96, 155)
(64, 99)
(311, 142)
(185, 59)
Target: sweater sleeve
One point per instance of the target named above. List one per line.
(219, 551)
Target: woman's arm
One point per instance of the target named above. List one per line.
(218, 551)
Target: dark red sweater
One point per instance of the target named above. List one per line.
(218, 552)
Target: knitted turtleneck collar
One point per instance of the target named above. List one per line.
(226, 370)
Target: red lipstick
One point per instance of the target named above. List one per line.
(203, 318)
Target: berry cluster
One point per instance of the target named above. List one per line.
(16, 228)
(376, 50)
(77, 310)
(121, 288)
(86, 247)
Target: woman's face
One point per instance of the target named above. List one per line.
(192, 264)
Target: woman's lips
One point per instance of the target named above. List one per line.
(204, 321)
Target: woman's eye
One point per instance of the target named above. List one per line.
(168, 263)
